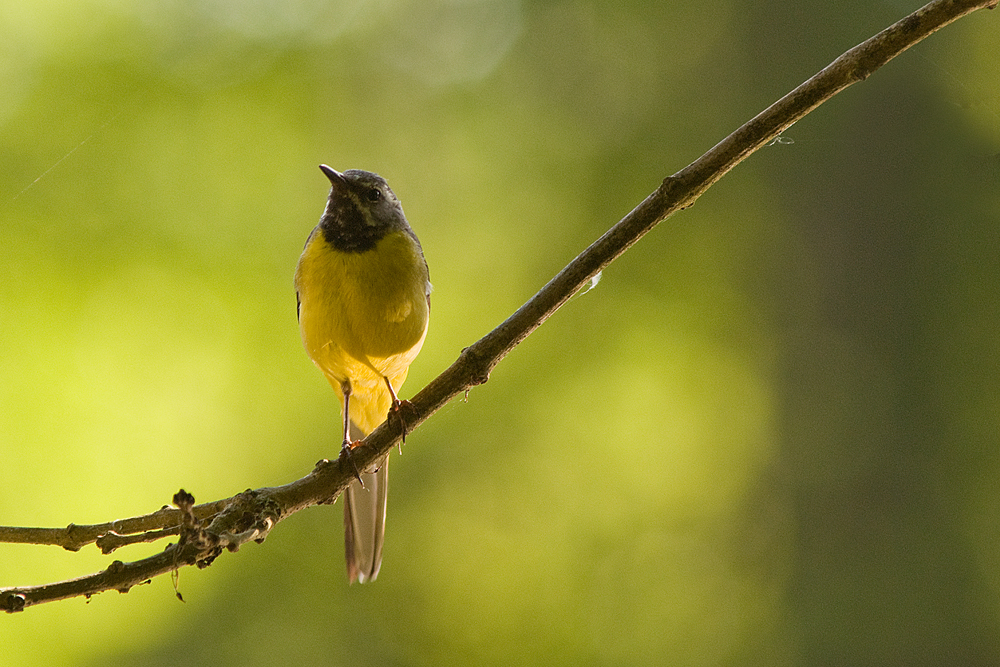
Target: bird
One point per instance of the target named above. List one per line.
(363, 300)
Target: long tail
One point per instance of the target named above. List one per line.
(364, 520)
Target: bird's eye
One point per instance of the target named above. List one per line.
(374, 194)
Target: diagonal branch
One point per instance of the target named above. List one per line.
(252, 514)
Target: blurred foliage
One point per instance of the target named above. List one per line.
(768, 436)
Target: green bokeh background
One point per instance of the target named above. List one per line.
(768, 436)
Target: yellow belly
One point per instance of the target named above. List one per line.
(363, 316)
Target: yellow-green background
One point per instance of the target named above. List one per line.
(769, 435)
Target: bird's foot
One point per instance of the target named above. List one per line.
(345, 453)
(401, 412)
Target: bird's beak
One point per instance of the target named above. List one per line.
(336, 178)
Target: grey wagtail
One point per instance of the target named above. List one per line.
(363, 293)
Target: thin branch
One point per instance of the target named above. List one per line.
(108, 536)
(252, 514)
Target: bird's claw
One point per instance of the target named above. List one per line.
(397, 412)
(345, 453)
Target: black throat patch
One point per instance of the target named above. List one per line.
(344, 227)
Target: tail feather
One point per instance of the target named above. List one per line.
(364, 522)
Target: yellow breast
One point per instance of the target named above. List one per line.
(363, 316)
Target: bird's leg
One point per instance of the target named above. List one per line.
(345, 449)
(396, 410)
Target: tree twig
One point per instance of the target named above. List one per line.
(108, 536)
(252, 514)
